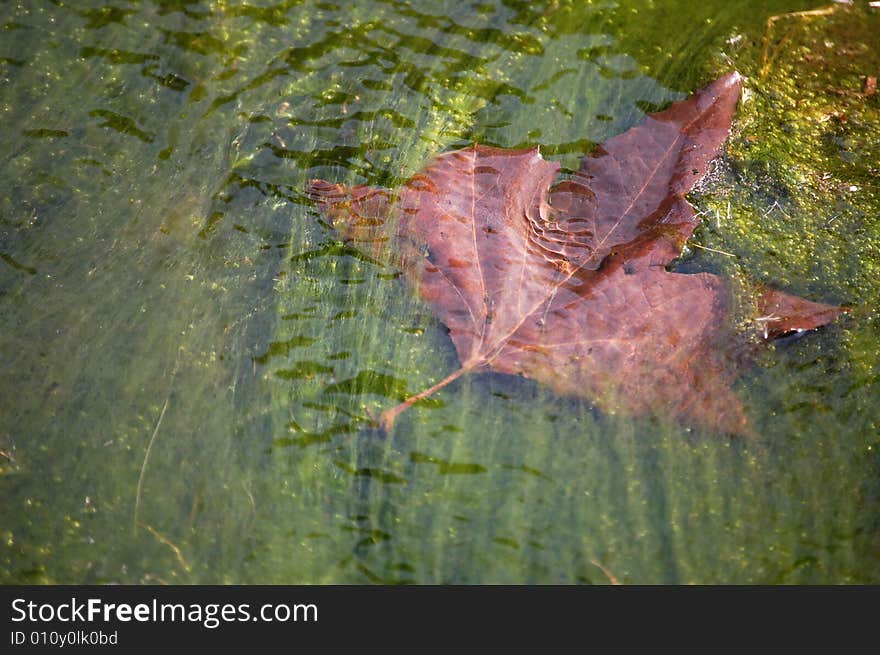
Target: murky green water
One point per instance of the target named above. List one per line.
(191, 358)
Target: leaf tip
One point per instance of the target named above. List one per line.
(727, 86)
(783, 314)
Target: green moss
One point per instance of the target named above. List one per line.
(801, 174)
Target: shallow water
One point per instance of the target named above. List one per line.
(192, 358)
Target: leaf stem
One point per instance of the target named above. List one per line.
(386, 420)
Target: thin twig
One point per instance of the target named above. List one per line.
(776, 205)
(165, 540)
(720, 252)
(767, 58)
(140, 485)
(608, 574)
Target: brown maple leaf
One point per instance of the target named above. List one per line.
(565, 282)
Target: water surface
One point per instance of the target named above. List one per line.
(192, 358)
